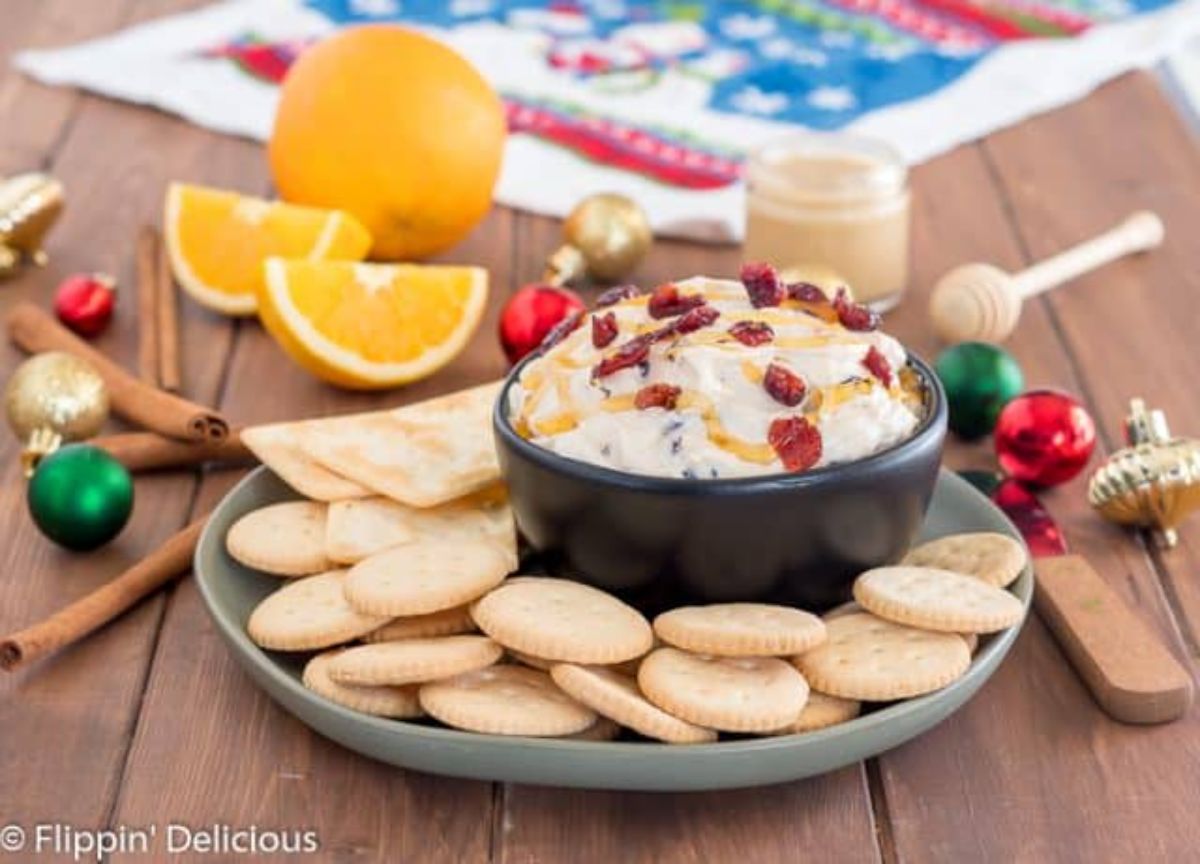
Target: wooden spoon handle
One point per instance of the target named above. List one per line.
(1140, 231)
(1130, 672)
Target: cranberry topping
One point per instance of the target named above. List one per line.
(562, 330)
(797, 442)
(616, 294)
(666, 301)
(784, 385)
(878, 366)
(806, 292)
(694, 319)
(604, 329)
(657, 396)
(762, 284)
(633, 352)
(752, 333)
(854, 316)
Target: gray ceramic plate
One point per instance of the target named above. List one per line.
(231, 592)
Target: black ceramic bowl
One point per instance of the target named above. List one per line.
(661, 541)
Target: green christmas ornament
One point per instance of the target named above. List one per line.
(80, 497)
(979, 379)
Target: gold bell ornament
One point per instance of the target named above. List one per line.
(606, 236)
(53, 398)
(30, 204)
(1154, 482)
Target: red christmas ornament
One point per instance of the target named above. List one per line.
(1044, 437)
(531, 313)
(84, 302)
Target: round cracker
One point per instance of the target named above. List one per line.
(602, 730)
(848, 608)
(558, 619)
(870, 659)
(425, 576)
(447, 622)
(285, 539)
(413, 661)
(997, 559)
(821, 711)
(397, 702)
(740, 629)
(505, 700)
(308, 614)
(730, 694)
(936, 600)
(617, 697)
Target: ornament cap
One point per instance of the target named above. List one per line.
(1143, 426)
(42, 442)
(566, 264)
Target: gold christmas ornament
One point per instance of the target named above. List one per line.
(606, 235)
(52, 398)
(1154, 482)
(29, 206)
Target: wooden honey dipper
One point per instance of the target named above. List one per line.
(981, 303)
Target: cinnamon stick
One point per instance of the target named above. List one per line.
(149, 451)
(170, 377)
(147, 303)
(147, 406)
(96, 609)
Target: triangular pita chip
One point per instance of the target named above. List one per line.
(276, 446)
(355, 530)
(424, 454)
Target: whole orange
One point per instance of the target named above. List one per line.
(395, 128)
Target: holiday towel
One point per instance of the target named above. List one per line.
(662, 100)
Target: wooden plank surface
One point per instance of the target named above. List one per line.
(153, 720)
(1046, 775)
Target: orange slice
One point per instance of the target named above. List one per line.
(370, 326)
(218, 241)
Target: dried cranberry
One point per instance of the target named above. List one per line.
(694, 319)
(797, 442)
(878, 366)
(562, 330)
(666, 301)
(854, 316)
(604, 329)
(752, 333)
(617, 294)
(633, 352)
(762, 284)
(657, 396)
(784, 385)
(806, 292)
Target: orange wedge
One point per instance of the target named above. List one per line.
(371, 326)
(218, 241)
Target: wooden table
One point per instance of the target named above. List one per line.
(150, 721)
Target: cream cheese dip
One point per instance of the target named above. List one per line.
(709, 378)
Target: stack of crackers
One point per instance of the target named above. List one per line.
(399, 577)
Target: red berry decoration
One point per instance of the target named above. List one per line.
(666, 301)
(752, 333)
(531, 314)
(784, 385)
(1044, 437)
(762, 284)
(657, 396)
(616, 294)
(854, 316)
(695, 319)
(878, 366)
(604, 329)
(84, 302)
(796, 441)
(633, 353)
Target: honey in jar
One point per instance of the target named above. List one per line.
(834, 207)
